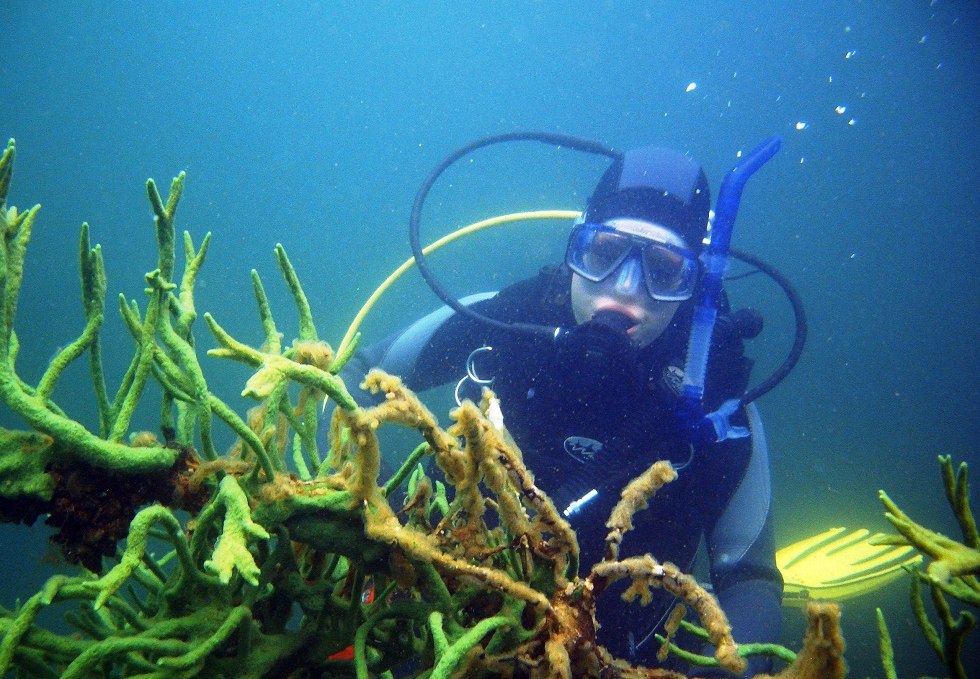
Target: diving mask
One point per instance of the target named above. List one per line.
(595, 251)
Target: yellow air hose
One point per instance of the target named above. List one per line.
(464, 231)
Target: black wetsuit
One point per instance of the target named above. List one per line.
(581, 430)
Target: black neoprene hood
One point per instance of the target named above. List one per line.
(657, 185)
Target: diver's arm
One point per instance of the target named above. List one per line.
(406, 353)
(434, 349)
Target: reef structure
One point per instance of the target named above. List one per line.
(951, 576)
(276, 558)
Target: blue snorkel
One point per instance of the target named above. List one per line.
(715, 426)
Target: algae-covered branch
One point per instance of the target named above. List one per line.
(283, 556)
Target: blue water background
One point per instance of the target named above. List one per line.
(312, 125)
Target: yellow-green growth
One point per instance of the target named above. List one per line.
(24, 457)
(231, 553)
(449, 591)
(953, 571)
(885, 644)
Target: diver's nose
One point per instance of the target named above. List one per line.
(629, 278)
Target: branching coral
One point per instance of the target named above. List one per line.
(280, 559)
(951, 574)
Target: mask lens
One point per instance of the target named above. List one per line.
(671, 273)
(594, 251)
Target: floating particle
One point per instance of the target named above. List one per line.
(847, 29)
(801, 160)
(850, 53)
(840, 109)
(852, 122)
(738, 154)
(801, 125)
(830, 78)
(691, 87)
(923, 39)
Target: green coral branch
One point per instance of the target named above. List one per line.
(954, 632)
(341, 359)
(179, 344)
(163, 217)
(273, 339)
(193, 262)
(16, 231)
(66, 356)
(178, 383)
(958, 494)
(157, 290)
(237, 618)
(39, 646)
(84, 665)
(952, 572)
(407, 468)
(275, 369)
(744, 651)
(24, 619)
(137, 541)
(92, 271)
(24, 457)
(440, 643)
(885, 645)
(950, 558)
(411, 610)
(184, 355)
(451, 658)
(921, 617)
(307, 329)
(6, 169)
(241, 428)
(57, 588)
(75, 438)
(34, 405)
(231, 553)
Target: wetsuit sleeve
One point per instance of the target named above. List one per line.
(741, 550)
(430, 352)
(409, 354)
(433, 350)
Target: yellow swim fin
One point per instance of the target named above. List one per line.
(839, 565)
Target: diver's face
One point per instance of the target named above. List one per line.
(624, 291)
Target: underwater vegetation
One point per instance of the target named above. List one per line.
(950, 576)
(276, 558)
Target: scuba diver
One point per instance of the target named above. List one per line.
(595, 402)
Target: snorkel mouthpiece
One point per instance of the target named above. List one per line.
(614, 320)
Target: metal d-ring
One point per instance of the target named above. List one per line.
(471, 373)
